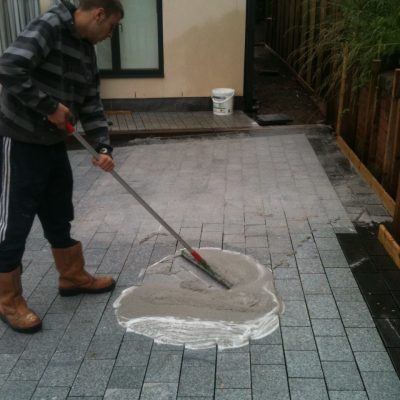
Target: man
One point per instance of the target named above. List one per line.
(49, 76)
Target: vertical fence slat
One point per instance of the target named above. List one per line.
(342, 91)
(388, 160)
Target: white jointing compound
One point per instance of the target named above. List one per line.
(179, 307)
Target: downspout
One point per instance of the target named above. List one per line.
(249, 56)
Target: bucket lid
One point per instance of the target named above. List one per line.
(223, 92)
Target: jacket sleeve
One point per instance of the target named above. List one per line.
(23, 56)
(92, 116)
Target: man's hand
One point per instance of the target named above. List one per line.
(105, 162)
(60, 117)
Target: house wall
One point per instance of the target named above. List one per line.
(204, 46)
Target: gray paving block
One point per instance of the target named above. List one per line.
(28, 370)
(333, 259)
(233, 371)
(303, 364)
(353, 395)
(273, 338)
(310, 265)
(295, 314)
(134, 353)
(233, 394)
(342, 376)
(164, 367)
(308, 389)
(341, 278)
(267, 354)
(289, 289)
(347, 294)
(7, 362)
(21, 390)
(126, 378)
(122, 394)
(286, 273)
(365, 339)
(373, 361)
(52, 393)
(269, 382)
(382, 385)
(92, 378)
(298, 338)
(103, 347)
(355, 315)
(315, 284)
(322, 306)
(197, 381)
(159, 391)
(334, 348)
(328, 327)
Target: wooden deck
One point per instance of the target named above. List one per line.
(146, 122)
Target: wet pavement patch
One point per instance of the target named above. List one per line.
(182, 307)
(379, 281)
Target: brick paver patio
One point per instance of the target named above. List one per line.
(264, 194)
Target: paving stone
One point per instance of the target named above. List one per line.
(122, 394)
(269, 382)
(21, 390)
(233, 394)
(273, 338)
(126, 378)
(59, 393)
(322, 306)
(303, 364)
(164, 367)
(295, 314)
(310, 266)
(233, 371)
(159, 391)
(315, 284)
(92, 378)
(355, 315)
(28, 370)
(341, 278)
(286, 273)
(334, 348)
(328, 327)
(373, 361)
(103, 347)
(134, 353)
(382, 385)
(298, 338)
(289, 289)
(365, 339)
(308, 389)
(353, 395)
(7, 362)
(342, 376)
(333, 259)
(197, 381)
(267, 354)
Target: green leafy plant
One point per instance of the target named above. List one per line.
(369, 29)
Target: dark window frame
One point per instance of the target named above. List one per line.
(117, 72)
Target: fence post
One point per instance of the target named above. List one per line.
(392, 134)
(342, 91)
(396, 218)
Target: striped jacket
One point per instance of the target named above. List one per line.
(49, 63)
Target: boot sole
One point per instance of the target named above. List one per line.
(32, 329)
(77, 291)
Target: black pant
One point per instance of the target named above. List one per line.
(35, 180)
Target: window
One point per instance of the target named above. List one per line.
(14, 16)
(136, 48)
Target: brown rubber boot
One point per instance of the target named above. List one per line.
(73, 278)
(13, 308)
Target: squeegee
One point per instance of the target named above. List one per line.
(188, 253)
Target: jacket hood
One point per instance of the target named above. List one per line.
(65, 12)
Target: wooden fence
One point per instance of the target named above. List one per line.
(367, 122)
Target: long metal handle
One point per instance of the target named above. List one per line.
(93, 152)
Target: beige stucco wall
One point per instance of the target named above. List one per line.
(204, 43)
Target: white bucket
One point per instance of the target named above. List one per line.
(223, 101)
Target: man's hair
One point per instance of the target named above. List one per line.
(110, 6)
